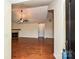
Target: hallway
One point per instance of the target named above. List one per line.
(29, 48)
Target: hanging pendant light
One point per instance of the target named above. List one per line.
(21, 19)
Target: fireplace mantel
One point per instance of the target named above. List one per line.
(16, 30)
(15, 33)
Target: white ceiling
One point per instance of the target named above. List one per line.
(31, 3)
(32, 14)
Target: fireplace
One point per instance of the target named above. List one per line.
(15, 33)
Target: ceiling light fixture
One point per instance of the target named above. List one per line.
(21, 20)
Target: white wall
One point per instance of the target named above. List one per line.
(49, 30)
(27, 30)
(59, 27)
(15, 25)
(7, 30)
(31, 29)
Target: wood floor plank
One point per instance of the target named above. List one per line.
(27, 48)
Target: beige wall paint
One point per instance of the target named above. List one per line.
(59, 27)
(31, 29)
(7, 30)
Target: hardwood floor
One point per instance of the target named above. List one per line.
(27, 48)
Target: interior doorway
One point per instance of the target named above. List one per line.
(41, 30)
(35, 37)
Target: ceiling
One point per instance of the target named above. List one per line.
(31, 3)
(32, 14)
(33, 10)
